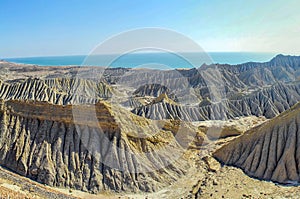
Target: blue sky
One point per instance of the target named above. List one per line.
(61, 27)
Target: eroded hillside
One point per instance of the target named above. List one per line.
(42, 141)
(269, 151)
(98, 129)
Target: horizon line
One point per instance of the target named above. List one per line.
(75, 55)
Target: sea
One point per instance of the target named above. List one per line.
(148, 60)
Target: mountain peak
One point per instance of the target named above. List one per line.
(163, 98)
(286, 60)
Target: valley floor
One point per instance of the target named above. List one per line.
(17, 187)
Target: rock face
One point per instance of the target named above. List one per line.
(43, 142)
(269, 151)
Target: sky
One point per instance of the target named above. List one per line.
(74, 27)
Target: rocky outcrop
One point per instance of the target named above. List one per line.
(269, 151)
(46, 143)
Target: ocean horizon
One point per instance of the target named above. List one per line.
(148, 60)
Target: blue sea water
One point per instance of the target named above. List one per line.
(149, 60)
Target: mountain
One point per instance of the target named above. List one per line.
(268, 102)
(57, 91)
(269, 151)
(225, 91)
(46, 143)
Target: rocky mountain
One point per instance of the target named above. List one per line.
(269, 151)
(268, 102)
(217, 91)
(46, 143)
